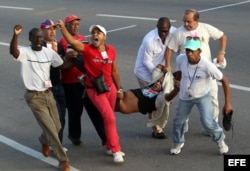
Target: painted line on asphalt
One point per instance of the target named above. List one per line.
(50, 11)
(130, 17)
(4, 44)
(224, 6)
(31, 152)
(238, 87)
(118, 29)
(19, 8)
(155, 19)
(121, 28)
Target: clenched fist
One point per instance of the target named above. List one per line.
(18, 29)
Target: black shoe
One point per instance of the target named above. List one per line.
(159, 135)
(76, 141)
(227, 121)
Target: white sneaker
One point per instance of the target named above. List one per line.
(223, 147)
(176, 149)
(64, 148)
(109, 152)
(118, 157)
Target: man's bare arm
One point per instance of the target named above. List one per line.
(14, 51)
(168, 54)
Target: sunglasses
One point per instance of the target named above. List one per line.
(163, 31)
(194, 38)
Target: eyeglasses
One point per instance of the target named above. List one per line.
(163, 31)
(190, 50)
(194, 38)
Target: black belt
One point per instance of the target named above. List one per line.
(34, 91)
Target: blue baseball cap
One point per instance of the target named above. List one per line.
(192, 44)
(47, 24)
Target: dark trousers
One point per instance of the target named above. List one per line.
(59, 96)
(75, 103)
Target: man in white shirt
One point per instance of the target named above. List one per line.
(150, 54)
(36, 62)
(196, 73)
(193, 28)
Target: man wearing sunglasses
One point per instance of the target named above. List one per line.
(192, 28)
(150, 54)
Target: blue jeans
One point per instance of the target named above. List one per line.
(205, 108)
(59, 96)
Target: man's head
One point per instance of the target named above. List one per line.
(49, 30)
(193, 49)
(98, 35)
(72, 23)
(163, 26)
(158, 84)
(191, 19)
(36, 39)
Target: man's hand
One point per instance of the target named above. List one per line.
(120, 95)
(70, 55)
(60, 25)
(18, 29)
(227, 108)
(220, 58)
(167, 69)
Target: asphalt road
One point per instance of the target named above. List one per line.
(126, 22)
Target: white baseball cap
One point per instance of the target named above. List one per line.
(101, 28)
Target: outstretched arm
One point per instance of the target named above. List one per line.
(223, 43)
(227, 106)
(168, 54)
(116, 79)
(14, 51)
(76, 44)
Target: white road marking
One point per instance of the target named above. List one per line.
(122, 28)
(19, 8)
(31, 152)
(50, 11)
(238, 87)
(130, 17)
(224, 6)
(155, 19)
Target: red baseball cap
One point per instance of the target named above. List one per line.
(70, 18)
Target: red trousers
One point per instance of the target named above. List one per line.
(105, 103)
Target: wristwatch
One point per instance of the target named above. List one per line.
(120, 90)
